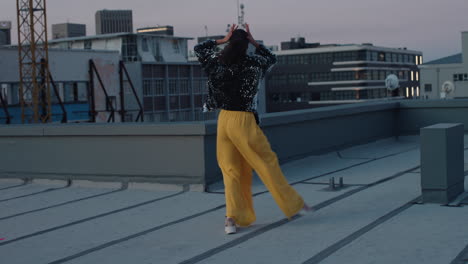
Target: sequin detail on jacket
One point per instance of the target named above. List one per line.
(233, 87)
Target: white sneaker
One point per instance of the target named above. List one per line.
(305, 210)
(230, 226)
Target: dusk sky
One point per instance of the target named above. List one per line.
(430, 26)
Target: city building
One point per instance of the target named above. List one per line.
(5, 33)
(170, 87)
(68, 30)
(159, 30)
(337, 74)
(114, 21)
(452, 71)
(297, 43)
(205, 38)
(75, 95)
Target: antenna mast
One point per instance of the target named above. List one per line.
(34, 88)
(240, 18)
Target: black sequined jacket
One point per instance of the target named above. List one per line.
(233, 87)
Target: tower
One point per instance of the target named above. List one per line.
(34, 88)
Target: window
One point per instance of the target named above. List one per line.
(417, 76)
(158, 87)
(428, 87)
(144, 44)
(175, 46)
(381, 56)
(147, 88)
(173, 87)
(184, 86)
(88, 44)
(4, 93)
(82, 91)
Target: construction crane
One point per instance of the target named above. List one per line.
(34, 86)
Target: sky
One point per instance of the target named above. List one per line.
(431, 26)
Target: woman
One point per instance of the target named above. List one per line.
(233, 78)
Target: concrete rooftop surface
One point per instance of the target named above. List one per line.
(377, 217)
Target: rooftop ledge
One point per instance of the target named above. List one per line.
(185, 153)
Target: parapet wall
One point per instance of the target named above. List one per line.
(185, 153)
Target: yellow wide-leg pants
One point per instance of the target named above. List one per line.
(241, 147)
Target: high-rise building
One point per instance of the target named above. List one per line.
(158, 30)
(5, 33)
(68, 30)
(114, 21)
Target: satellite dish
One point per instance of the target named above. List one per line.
(446, 89)
(392, 82)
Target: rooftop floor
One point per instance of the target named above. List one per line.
(375, 218)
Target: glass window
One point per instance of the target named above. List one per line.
(88, 44)
(173, 87)
(428, 87)
(147, 88)
(184, 86)
(144, 44)
(175, 46)
(68, 92)
(381, 56)
(82, 91)
(158, 87)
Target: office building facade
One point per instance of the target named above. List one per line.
(5, 33)
(68, 30)
(170, 87)
(114, 21)
(337, 74)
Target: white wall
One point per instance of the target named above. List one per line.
(437, 74)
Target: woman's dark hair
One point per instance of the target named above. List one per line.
(236, 49)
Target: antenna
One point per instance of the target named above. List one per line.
(240, 18)
(206, 30)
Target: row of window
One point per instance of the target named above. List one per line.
(460, 77)
(361, 55)
(181, 115)
(297, 97)
(156, 87)
(303, 78)
(173, 71)
(69, 92)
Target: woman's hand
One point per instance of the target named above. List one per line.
(249, 36)
(228, 36)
